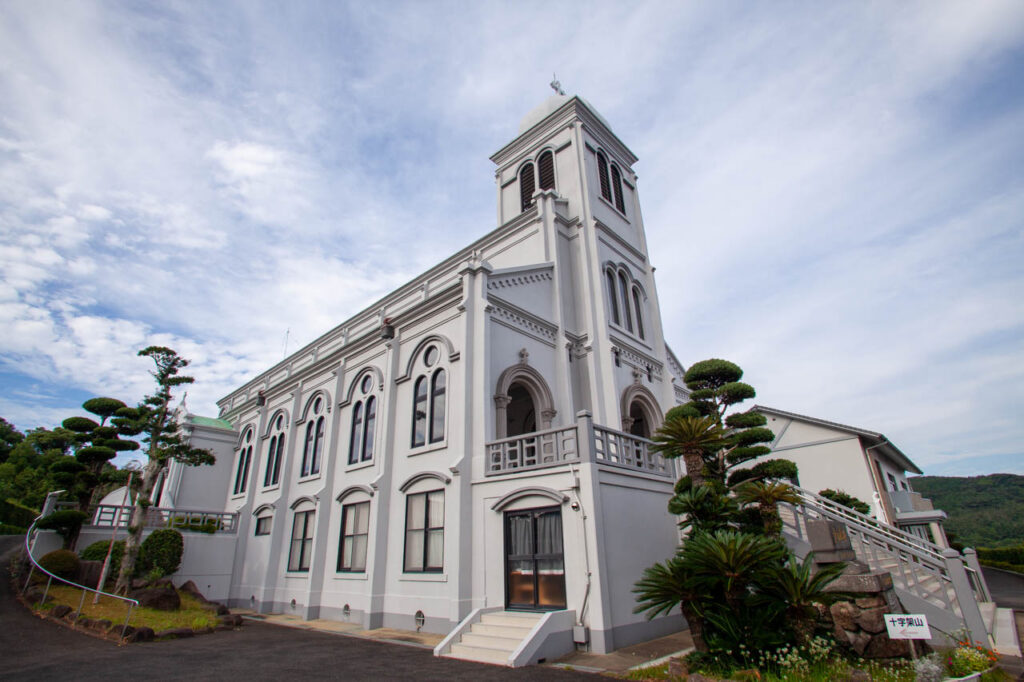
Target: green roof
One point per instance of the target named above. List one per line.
(210, 421)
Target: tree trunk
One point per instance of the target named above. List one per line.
(135, 527)
(694, 467)
(696, 624)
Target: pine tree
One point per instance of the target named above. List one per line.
(164, 442)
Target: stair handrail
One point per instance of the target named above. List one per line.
(48, 507)
(831, 508)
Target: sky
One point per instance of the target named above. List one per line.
(833, 193)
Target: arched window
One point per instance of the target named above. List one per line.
(624, 290)
(617, 189)
(526, 186)
(275, 453)
(521, 414)
(428, 403)
(546, 167)
(244, 460)
(602, 176)
(613, 296)
(364, 424)
(639, 315)
(640, 425)
(314, 445)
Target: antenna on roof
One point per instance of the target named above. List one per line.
(555, 85)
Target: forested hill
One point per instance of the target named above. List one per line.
(984, 511)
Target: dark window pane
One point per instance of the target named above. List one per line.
(526, 186)
(602, 176)
(419, 412)
(617, 187)
(356, 439)
(437, 407)
(546, 166)
(371, 422)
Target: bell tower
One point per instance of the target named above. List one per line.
(568, 172)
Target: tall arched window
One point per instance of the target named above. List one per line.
(624, 291)
(313, 449)
(244, 460)
(639, 315)
(275, 453)
(602, 176)
(613, 296)
(546, 166)
(428, 403)
(527, 185)
(364, 423)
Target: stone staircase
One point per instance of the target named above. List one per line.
(945, 585)
(495, 637)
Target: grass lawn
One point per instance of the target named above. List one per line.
(190, 615)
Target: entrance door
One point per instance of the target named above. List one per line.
(534, 566)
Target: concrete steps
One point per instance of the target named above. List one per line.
(495, 638)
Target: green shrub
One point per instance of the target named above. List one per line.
(16, 514)
(846, 499)
(162, 550)
(97, 551)
(61, 562)
(66, 522)
(7, 529)
(1009, 555)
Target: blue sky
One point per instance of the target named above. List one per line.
(833, 193)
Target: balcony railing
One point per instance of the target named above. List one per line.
(532, 451)
(109, 515)
(581, 442)
(630, 452)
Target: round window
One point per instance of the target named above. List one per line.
(430, 357)
(367, 384)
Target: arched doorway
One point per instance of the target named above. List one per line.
(521, 414)
(641, 425)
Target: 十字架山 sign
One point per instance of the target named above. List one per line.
(907, 626)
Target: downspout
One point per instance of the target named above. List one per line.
(586, 548)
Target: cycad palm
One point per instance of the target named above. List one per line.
(795, 585)
(690, 438)
(767, 495)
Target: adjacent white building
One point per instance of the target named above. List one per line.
(859, 462)
(476, 438)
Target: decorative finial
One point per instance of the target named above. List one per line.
(556, 86)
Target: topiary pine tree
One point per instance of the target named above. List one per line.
(98, 443)
(164, 442)
(730, 440)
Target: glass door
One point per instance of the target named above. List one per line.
(534, 566)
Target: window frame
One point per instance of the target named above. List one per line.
(264, 523)
(244, 462)
(346, 509)
(425, 530)
(301, 563)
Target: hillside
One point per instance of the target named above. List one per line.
(984, 511)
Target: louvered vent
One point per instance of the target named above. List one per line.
(602, 174)
(546, 167)
(617, 186)
(526, 186)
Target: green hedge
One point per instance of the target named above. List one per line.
(60, 562)
(161, 551)
(1010, 555)
(7, 529)
(14, 514)
(1016, 568)
(97, 551)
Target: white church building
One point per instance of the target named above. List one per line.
(470, 449)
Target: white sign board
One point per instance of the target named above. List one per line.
(907, 626)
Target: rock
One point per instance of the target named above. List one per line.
(844, 615)
(117, 630)
(163, 598)
(34, 596)
(189, 587)
(100, 625)
(872, 620)
(222, 610)
(869, 602)
(859, 641)
(234, 620)
(677, 667)
(139, 583)
(179, 633)
(142, 634)
(60, 610)
(883, 647)
(162, 582)
(83, 622)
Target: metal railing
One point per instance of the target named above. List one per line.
(132, 603)
(630, 452)
(109, 515)
(535, 450)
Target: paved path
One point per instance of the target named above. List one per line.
(35, 649)
(1007, 588)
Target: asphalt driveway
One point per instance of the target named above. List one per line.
(35, 649)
